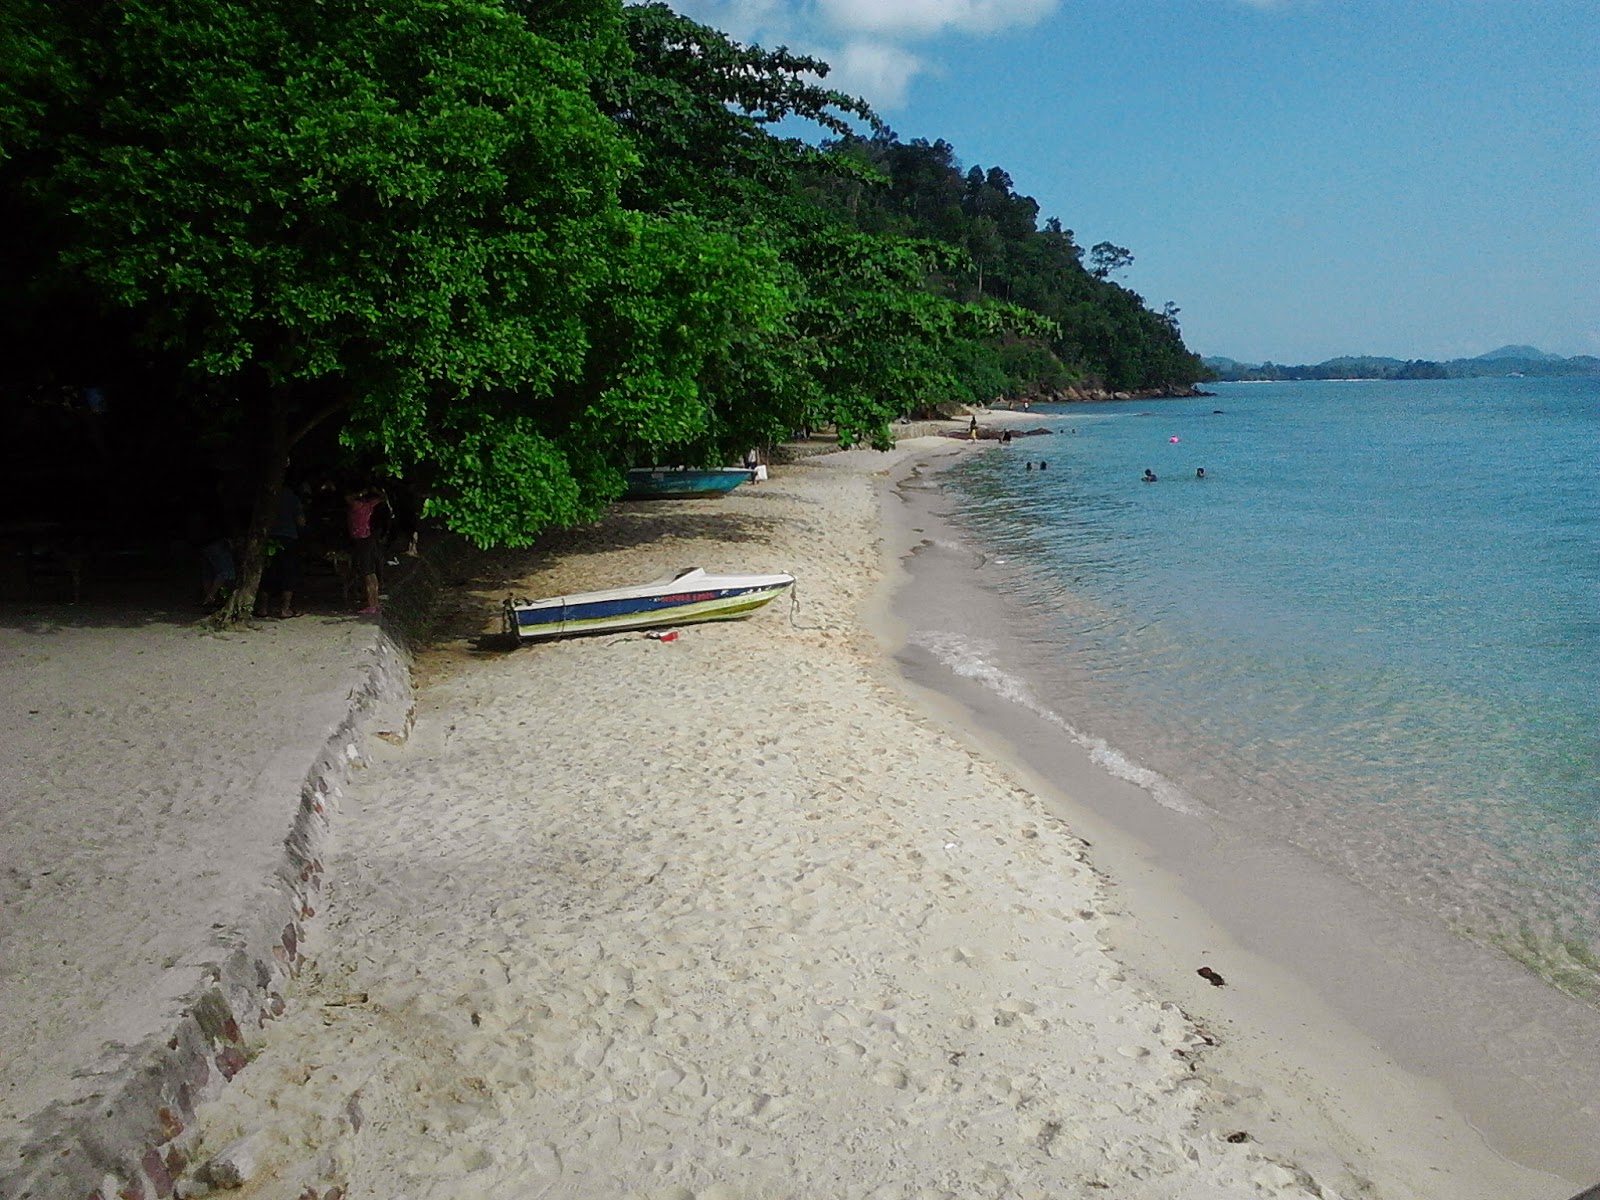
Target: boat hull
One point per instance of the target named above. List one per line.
(668, 483)
(690, 597)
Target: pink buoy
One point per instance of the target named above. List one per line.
(1173, 439)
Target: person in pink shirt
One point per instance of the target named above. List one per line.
(364, 552)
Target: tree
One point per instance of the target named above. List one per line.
(983, 243)
(697, 107)
(1102, 332)
(507, 247)
(864, 339)
(403, 214)
(35, 73)
(1106, 260)
(881, 342)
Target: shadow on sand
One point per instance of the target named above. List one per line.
(473, 584)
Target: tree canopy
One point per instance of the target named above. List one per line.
(506, 249)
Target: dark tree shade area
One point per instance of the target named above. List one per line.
(492, 251)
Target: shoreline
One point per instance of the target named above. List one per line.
(736, 917)
(1373, 991)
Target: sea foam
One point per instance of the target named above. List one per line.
(974, 659)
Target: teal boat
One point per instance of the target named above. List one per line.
(678, 483)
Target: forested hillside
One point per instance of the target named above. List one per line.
(500, 249)
(1101, 332)
(1368, 367)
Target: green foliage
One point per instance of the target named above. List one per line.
(406, 212)
(507, 248)
(1106, 259)
(34, 75)
(885, 344)
(399, 194)
(1031, 364)
(1102, 332)
(858, 338)
(980, 372)
(697, 106)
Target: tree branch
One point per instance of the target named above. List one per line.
(316, 418)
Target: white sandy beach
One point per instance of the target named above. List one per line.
(735, 917)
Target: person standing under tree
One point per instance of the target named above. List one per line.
(282, 574)
(365, 553)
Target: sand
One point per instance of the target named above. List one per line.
(149, 778)
(738, 916)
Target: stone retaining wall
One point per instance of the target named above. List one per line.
(129, 1142)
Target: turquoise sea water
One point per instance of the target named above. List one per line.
(1372, 631)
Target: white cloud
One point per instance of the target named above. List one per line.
(878, 66)
(876, 70)
(922, 18)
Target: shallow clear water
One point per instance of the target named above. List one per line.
(1373, 629)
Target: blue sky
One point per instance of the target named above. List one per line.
(1304, 178)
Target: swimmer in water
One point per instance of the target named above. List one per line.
(1149, 476)
(1199, 472)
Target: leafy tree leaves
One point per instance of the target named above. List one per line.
(507, 248)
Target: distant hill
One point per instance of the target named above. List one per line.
(1525, 352)
(1508, 360)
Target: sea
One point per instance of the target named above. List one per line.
(1370, 631)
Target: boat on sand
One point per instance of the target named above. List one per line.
(675, 483)
(683, 597)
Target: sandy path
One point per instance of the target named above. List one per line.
(719, 918)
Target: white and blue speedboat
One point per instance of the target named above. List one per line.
(687, 596)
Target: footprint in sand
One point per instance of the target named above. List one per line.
(545, 1159)
(891, 1076)
(668, 1079)
(590, 1052)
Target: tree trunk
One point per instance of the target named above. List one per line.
(274, 470)
(279, 439)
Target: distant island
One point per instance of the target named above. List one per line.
(1508, 360)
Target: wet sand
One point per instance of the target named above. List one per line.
(1329, 981)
